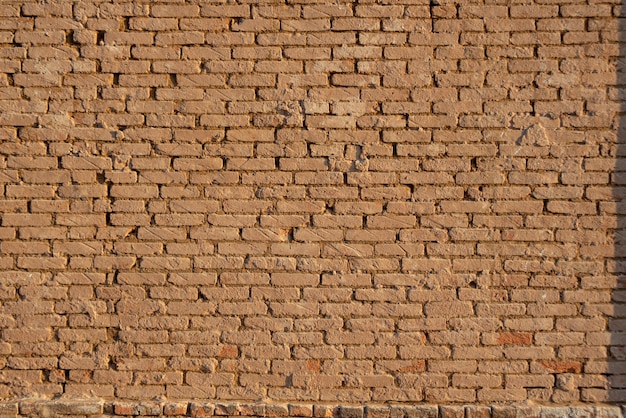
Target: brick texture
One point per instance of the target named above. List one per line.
(94, 408)
(315, 204)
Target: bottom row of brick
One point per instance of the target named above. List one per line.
(98, 408)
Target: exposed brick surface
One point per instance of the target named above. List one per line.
(326, 206)
(91, 408)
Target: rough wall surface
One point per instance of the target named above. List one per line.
(311, 201)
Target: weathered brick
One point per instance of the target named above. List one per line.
(399, 202)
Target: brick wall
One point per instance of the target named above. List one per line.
(311, 201)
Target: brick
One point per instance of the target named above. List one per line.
(146, 191)
(454, 198)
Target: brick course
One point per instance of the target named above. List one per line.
(308, 204)
(89, 408)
